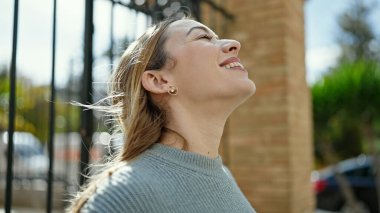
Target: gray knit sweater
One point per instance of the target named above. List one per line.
(166, 179)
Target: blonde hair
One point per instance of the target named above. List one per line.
(142, 121)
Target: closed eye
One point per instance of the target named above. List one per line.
(205, 36)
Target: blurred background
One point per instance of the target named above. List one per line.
(71, 59)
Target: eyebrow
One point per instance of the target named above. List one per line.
(199, 28)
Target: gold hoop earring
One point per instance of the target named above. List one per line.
(173, 90)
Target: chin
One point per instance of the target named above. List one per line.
(237, 95)
(248, 88)
(245, 91)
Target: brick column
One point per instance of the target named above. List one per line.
(269, 138)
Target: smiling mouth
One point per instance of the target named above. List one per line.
(234, 65)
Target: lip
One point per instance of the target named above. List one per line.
(229, 60)
(239, 68)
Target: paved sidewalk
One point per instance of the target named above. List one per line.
(27, 210)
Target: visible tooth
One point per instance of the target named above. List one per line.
(233, 64)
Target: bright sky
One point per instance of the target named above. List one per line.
(35, 21)
(321, 30)
(35, 37)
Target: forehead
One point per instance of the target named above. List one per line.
(181, 27)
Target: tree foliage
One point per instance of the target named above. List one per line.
(346, 101)
(343, 102)
(357, 38)
(32, 108)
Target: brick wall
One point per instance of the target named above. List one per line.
(268, 140)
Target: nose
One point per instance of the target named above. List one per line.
(231, 46)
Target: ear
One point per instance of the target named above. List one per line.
(154, 82)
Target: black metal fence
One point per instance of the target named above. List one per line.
(70, 146)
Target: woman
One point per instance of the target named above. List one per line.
(173, 92)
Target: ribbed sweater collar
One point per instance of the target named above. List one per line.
(187, 159)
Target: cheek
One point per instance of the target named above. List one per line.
(199, 61)
(198, 70)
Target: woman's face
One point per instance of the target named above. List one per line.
(206, 68)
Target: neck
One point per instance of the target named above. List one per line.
(195, 132)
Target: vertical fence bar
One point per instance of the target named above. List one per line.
(87, 116)
(51, 118)
(12, 112)
(111, 58)
(68, 127)
(111, 33)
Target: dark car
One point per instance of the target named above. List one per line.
(359, 172)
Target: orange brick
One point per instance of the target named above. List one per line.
(268, 140)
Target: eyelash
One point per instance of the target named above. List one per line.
(208, 37)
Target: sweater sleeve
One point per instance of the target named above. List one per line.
(110, 199)
(118, 194)
(105, 202)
